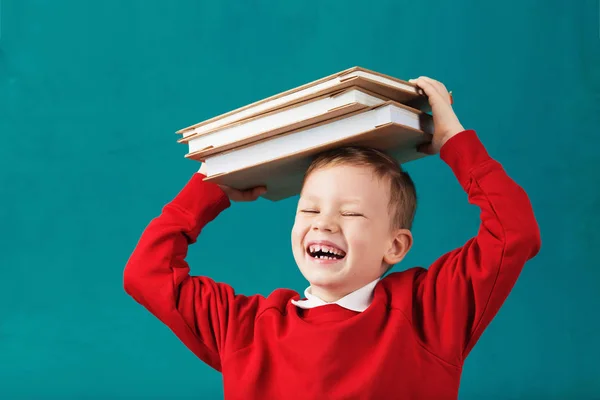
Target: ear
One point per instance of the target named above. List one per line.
(400, 245)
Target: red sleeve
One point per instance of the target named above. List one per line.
(459, 294)
(198, 310)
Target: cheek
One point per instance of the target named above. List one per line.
(298, 232)
(359, 244)
(362, 240)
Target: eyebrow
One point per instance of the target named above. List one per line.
(350, 200)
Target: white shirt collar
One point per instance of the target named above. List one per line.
(359, 300)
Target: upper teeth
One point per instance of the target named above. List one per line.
(327, 249)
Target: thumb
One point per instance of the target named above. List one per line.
(426, 148)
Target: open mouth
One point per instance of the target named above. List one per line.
(323, 252)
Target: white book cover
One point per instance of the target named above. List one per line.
(321, 135)
(396, 89)
(307, 113)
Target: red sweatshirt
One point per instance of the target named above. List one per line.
(410, 343)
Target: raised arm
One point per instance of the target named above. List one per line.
(461, 292)
(197, 309)
(456, 298)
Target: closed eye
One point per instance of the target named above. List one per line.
(346, 214)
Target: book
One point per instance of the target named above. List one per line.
(392, 88)
(278, 121)
(280, 161)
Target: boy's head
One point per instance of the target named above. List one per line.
(360, 204)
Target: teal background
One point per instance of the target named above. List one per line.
(91, 94)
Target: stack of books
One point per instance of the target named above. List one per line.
(271, 142)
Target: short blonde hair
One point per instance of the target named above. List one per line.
(403, 196)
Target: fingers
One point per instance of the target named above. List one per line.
(430, 91)
(433, 89)
(439, 86)
(258, 191)
(253, 194)
(243, 195)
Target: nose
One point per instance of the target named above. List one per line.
(325, 223)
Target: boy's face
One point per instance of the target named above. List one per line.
(344, 209)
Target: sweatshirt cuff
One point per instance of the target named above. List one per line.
(463, 152)
(202, 200)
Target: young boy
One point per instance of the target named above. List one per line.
(355, 335)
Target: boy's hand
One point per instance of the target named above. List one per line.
(238, 195)
(445, 121)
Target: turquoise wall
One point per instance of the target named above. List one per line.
(91, 94)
